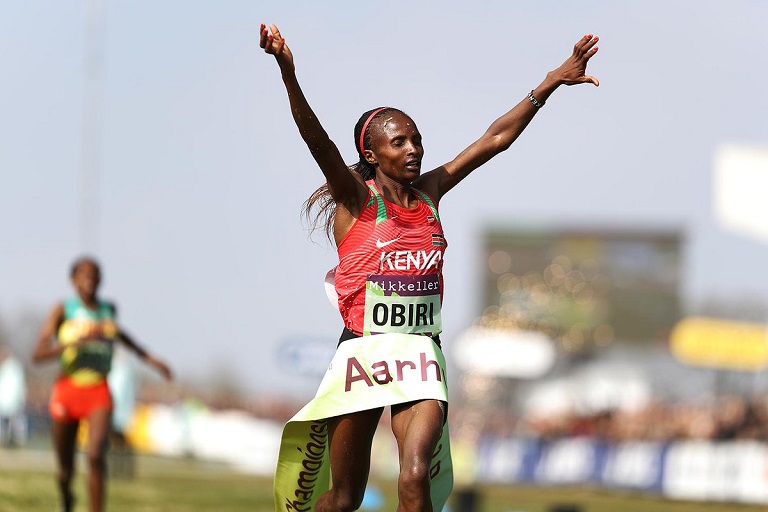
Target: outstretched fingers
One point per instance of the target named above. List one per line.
(275, 31)
(279, 45)
(270, 39)
(263, 36)
(278, 42)
(584, 49)
(584, 46)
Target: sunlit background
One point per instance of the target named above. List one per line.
(606, 287)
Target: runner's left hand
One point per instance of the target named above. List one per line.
(573, 70)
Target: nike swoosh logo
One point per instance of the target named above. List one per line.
(381, 244)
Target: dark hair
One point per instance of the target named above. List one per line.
(82, 260)
(321, 199)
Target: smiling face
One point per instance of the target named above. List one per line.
(396, 148)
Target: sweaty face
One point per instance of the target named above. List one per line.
(396, 146)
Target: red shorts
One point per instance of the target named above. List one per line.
(74, 403)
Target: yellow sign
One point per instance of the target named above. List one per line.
(723, 344)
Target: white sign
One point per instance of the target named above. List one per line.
(504, 353)
(740, 189)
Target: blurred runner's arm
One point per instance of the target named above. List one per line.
(157, 364)
(46, 347)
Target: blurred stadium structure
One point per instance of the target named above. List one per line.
(607, 403)
(590, 299)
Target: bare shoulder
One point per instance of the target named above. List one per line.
(432, 183)
(348, 190)
(52, 322)
(347, 212)
(354, 198)
(57, 311)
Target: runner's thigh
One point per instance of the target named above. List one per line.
(351, 436)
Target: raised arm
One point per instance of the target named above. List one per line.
(504, 130)
(342, 183)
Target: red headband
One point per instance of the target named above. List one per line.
(365, 127)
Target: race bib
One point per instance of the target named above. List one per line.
(402, 304)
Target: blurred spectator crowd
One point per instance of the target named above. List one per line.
(724, 418)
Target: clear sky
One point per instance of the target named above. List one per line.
(203, 174)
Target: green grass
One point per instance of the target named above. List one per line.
(170, 485)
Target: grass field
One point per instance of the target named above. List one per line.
(170, 485)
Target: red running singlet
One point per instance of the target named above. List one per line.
(389, 277)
